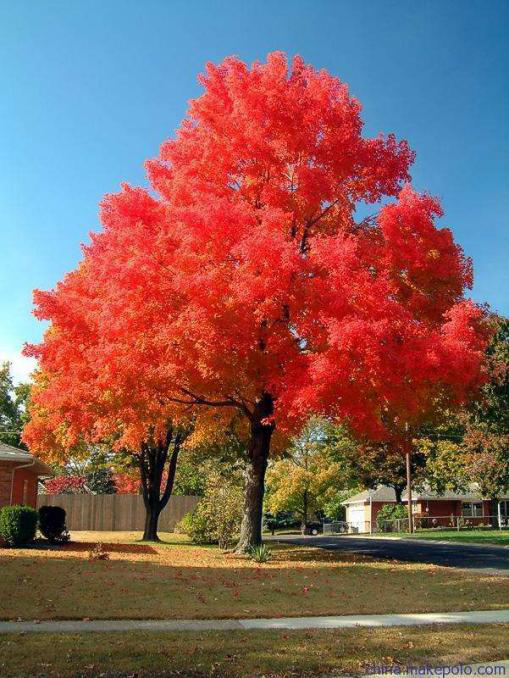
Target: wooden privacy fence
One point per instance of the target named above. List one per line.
(110, 512)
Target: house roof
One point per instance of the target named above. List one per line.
(381, 493)
(22, 457)
(387, 494)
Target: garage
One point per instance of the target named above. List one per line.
(356, 517)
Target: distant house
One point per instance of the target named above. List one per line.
(431, 509)
(19, 475)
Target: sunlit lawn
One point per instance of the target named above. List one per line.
(249, 654)
(488, 536)
(178, 580)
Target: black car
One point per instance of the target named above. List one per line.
(313, 529)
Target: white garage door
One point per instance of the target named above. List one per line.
(356, 518)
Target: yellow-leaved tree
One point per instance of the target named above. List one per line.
(309, 479)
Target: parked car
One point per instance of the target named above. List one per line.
(313, 528)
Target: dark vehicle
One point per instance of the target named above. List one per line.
(313, 529)
(282, 520)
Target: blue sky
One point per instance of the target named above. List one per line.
(89, 90)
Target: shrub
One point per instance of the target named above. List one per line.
(18, 524)
(390, 512)
(216, 519)
(184, 525)
(98, 553)
(200, 528)
(260, 554)
(52, 524)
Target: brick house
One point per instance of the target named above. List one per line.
(19, 475)
(430, 509)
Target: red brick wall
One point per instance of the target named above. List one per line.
(375, 507)
(25, 485)
(5, 483)
(440, 508)
(437, 508)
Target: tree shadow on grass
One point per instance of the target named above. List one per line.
(282, 553)
(85, 546)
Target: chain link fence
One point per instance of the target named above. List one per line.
(428, 523)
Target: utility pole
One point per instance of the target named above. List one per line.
(409, 492)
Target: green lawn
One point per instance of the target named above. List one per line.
(248, 654)
(487, 536)
(179, 580)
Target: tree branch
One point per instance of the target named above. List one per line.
(200, 400)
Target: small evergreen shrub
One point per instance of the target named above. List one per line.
(52, 524)
(18, 525)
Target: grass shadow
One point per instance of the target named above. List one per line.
(84, 546)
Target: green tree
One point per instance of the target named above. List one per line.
(373, 464)
(13, 407)
(308, 480)
(446, 465)
(190, 478)
(472, 446)
(99, 473)
(491, 410)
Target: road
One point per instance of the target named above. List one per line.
(492, 559)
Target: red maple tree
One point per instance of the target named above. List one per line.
(66, 485)
(248, 288)
(127, 483)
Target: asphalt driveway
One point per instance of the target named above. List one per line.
(491, 559)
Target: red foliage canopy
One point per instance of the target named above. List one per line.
(127, 483)
(249, 274)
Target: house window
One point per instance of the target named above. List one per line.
(472, 509)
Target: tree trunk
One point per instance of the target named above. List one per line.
(151, 522)
(399, 493)
(152, 459)
(258, 454)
